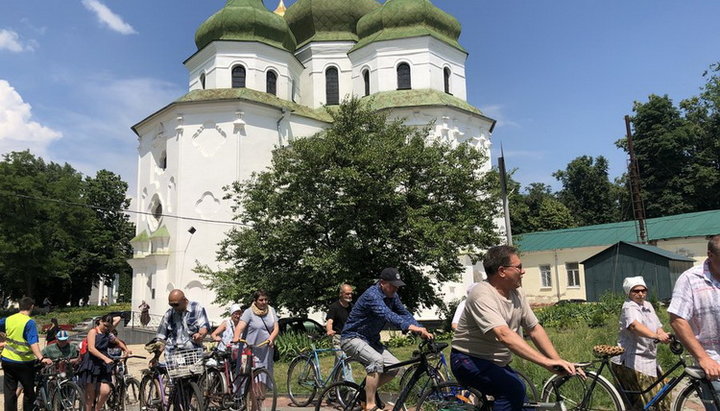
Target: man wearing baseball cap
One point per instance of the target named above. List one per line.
(63, 349)
(360, 338)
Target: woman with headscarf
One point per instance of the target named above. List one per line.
(640, 328)
(144, 313)
(225, 332)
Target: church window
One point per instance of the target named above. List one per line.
(446, 75)
(202, 80)
(271, 82)
(157, 211)
(332, 88)
(238, 77)
(403, 76)
(366, 80)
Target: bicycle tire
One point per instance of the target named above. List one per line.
(213, 387)
(422, 385)
(261, 391)
(192, 400)
(303, 380)
(68, 396)
(150, 396)
(571, 390)
(688, 399)
(350, 395)
(131, 402)
(530, 388)
(453, 396)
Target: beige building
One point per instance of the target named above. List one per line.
(552, 259)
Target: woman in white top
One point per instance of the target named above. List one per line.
(225, 331)
(640, 328)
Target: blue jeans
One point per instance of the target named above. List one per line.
(706, 395)
(490, 379)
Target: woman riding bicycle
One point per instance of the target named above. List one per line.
(224, 333)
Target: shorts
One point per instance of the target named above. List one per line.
(373, 359)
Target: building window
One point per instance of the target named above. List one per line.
(573, 273)
(446, 75)
(238, 77)
(332, 88)
(366, 80)
(202, 80)
(403, 77)
(157, 211)
(545, 276)
(271, 83)
(162, 160)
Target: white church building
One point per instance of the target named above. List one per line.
(261, 79)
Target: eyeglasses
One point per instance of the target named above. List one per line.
(643, 290)
(519, 266)
(174, 305)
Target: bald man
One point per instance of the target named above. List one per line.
(184, 325)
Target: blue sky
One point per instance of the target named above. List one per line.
(558, 75)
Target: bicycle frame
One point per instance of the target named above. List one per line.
(336, 367)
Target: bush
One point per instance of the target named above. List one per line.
(595, 314)
(290, 344)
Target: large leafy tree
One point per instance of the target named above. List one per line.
(587, 191)
(365, 194)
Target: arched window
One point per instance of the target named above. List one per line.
(202, 80)
(332, 88)
(446, 75)
(271, 83)
(403, 76)
(238, 77)
(366, 80)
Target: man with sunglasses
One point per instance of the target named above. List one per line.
(488, 333)
(185, 324)
(695, 313)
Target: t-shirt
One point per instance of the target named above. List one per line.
(486, 309)
(339, 315)
(56, 352)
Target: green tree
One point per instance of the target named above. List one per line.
(587, 191)
(365, 194)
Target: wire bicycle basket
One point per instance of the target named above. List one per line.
(183, 363)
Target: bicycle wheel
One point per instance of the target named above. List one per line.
(151, 397)
(452, 396)
(530, 389)
(689, 398)
(303, 380)
(131, 401)
(262, 392)
(186, 396)
(212, 385)
(572, 389)
(431, 378)
(352, 371)
(348, 398)
(69, 396)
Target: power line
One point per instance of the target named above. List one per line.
(98, 208)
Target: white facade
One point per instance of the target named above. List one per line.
(191, 149)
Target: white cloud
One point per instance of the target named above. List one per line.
(496, 111)
(17, 129)
(108, 17)
(10, 40)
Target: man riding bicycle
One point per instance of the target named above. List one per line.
(488, 333)
(360, 338)
(184, 325)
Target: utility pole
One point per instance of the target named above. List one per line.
(503, 189)
(634, 181)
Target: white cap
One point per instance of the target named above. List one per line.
(632, 282)
(234, 308)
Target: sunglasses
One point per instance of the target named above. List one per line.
(644, 290)
(174, 305)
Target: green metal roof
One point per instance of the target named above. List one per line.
(702, 223)
(327, 20)
(645, 247)
(143, 236)
(246, 20)
(398, 19)
(414, 98)
(161, 232)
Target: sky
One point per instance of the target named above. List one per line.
(557, 75)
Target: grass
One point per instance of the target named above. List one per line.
(74, 315)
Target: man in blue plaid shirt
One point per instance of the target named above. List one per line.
(184, 325)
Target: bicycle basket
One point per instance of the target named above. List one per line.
(182, 363)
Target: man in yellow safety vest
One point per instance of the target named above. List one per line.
(22, 348)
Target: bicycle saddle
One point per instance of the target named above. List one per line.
(695, 372)
(607, 350)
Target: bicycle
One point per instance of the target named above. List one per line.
(56, 390)
(305, 377)
(350, 394)
(596, 392)
(171, 385)
(124, 388)
(250, 388)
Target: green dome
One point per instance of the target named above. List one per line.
(246, 20)
(398, 19)
(327, 20)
